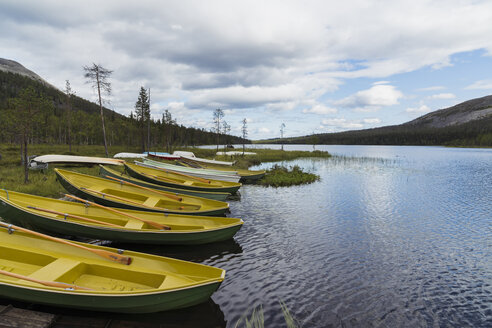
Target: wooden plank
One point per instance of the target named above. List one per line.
(11, 317)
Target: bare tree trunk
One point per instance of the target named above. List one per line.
(148, 127)
(26, 170)
(70, 128)
(102, 117)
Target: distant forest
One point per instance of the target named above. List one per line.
(472, 134)
(51, 126)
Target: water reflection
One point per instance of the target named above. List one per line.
(194, 253)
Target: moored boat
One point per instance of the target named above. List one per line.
(191, 157)
(130, 155)
(41, 269)
(201, 173)
(106, 172)
(91, 220)
(121, 194)
(71, 159)
(179, 180)
(162, 155)
(246, 175)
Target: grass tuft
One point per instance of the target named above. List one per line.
(281, 176)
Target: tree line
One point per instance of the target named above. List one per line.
(68, 119)
(476, 133)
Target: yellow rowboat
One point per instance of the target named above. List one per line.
(121, 194)
(179, 180)
(96, 221)
(42, 269)
(107, 172)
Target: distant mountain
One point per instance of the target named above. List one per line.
(11, 66)
(465, 124)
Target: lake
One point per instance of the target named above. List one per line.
(391, 236)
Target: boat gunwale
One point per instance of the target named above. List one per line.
(108, 293)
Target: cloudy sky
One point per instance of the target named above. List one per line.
(317, 66)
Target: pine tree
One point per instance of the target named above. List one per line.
(142, 112)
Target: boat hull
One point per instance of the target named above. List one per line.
(109, 303)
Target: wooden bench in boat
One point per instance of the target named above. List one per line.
(134, 224)
(55, 269)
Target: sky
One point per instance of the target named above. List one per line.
(315, 66)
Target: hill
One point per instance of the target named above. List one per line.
(85, 118)
(11, 66)
(465, 124)
(471, 110)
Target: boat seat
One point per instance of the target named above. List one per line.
(134, 224)
(55, 269)
(151, 201)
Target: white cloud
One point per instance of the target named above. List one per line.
(320, 109)
(480, 85)
(264, 130)
(433, 88)
(371, 120)
(421, 109)
(244, 97)
(443, 96)
(379, 95)
(342, 123)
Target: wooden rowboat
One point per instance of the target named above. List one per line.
(99, 222)
(167, 178)
(42, 269)
(105, 172)
(231, 176)
(122, 194)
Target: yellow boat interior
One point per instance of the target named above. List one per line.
(39, 259)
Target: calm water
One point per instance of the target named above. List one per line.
(393, 237)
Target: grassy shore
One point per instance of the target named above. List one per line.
(43, 183)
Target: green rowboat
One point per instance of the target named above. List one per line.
(105, 171)
(93, 221)
(183, 181)
(41, 269)
(121, 194)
